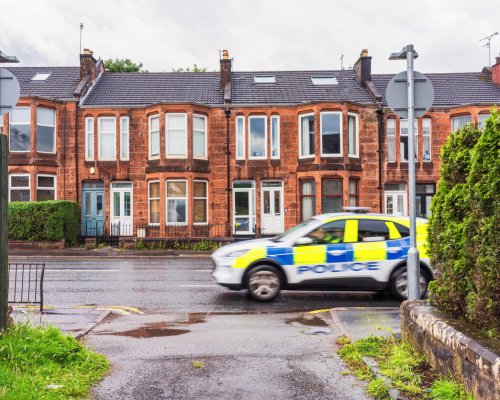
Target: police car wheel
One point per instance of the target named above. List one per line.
(399, 283)
(264, 283)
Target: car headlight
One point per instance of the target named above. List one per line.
(236, 253)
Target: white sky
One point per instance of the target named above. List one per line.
(260, 35)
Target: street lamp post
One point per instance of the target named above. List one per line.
(413, 264)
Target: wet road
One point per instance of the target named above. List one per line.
(175, 285)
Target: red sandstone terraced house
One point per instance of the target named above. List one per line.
(216, 154)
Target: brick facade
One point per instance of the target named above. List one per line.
(73, 168)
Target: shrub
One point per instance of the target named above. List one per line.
(45, 220)
(464, 244)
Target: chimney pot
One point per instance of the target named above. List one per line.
(88, 51)
(225, 55)
(364, 53)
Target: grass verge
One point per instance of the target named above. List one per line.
(43, 363)
(405, 368)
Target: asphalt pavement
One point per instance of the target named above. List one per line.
(172, 333)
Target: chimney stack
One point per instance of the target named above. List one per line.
(495, 71)
(225, 69)
(88, 64)
(363, 68)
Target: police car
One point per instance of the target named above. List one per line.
(338, 251)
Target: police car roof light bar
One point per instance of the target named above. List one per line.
(360, 210)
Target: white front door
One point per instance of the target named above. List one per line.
(244, 207)
(396, 203)
(272, 220)
(121, 209)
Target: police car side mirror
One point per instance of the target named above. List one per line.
(303, 241)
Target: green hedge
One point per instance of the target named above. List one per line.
(464, 229)
(44, 220)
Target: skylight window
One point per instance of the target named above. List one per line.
(324, 80)
(41, 76)
(264, 79)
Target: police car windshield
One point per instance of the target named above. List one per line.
(285, 235)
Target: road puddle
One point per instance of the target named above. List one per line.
(158, 329)
(311, 324)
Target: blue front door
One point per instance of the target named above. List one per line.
(92, 210)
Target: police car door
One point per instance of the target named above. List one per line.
(370, 266)
(321, 262)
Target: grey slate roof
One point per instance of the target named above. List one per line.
(295, 87)
(133, 89)
(452, 89)
(60, 85)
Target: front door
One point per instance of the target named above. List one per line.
(244, 209)
(396, 203)
(272, 221)
(121, 209)
(92, 209)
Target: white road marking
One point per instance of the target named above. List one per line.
(203, 270)
(81, 270)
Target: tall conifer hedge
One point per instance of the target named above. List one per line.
(464, 229)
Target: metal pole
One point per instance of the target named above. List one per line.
(4, 267)
(413, 258)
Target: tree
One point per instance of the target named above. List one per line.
(122, 65)
(194, 69)
(464, 243)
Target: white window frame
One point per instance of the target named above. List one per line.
(428, 135)
(89, 139)
(50, 126)
(391, 139)
(99, 131)
(240, 134)
(415, 138)
(302, 156)
(276, 135)
(201, 198)
(250, 118)
(124, 138)
(21, 123)
(153, 198)
(457, 118)
(481, 120)
(205, 155)
(46, 187)
(150, 142)
(167, 155)
(356, 124)
(20, 188)
(321, 114)
(185, 198)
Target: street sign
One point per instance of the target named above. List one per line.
(9, 91)
(396, 94)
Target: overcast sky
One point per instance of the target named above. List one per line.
(260, 35)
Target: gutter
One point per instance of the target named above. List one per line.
(380, 129)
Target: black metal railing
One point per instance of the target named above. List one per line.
(26, 283)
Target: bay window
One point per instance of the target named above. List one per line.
(107, 138)
(124, 138)
(45, 187)
(275, 136)
(331, 134)
(176, 132)
(45, 130)
(404, 137)
(257, 137)
(199, 136)
(154, 202)
(20, 129)
(306, 141)
(460, 122)
(308, 199)
(200, 202)
(481, 120)
(240, 138)
(426, 139)
(331, 195)
(176, 202)
(89, 139)
(353, 193)
(154, 136)
(353, 135)
(391, 140)
(19, 187)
